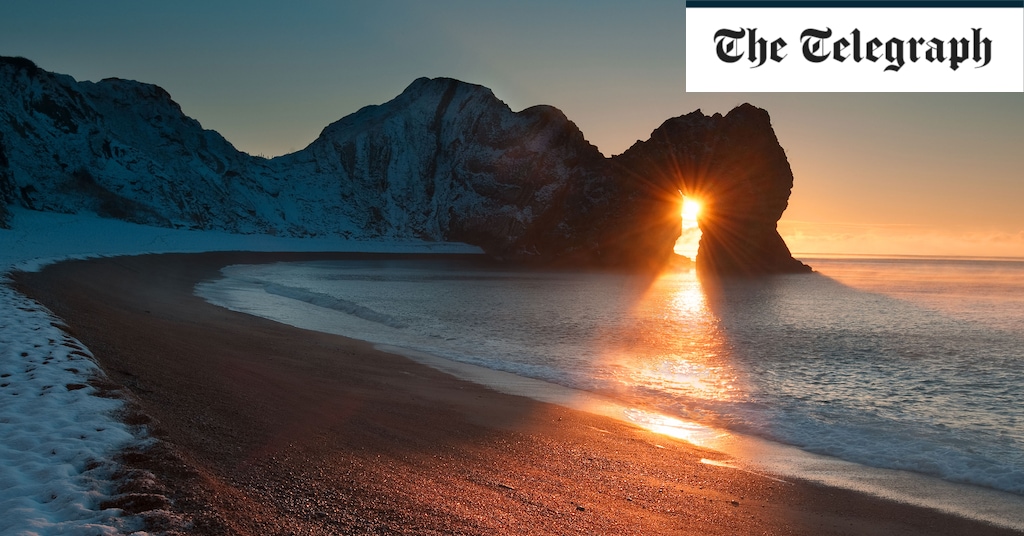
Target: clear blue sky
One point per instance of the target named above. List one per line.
(883, 173)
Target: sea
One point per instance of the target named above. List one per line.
(900, 376)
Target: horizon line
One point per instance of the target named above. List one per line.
(911, 256)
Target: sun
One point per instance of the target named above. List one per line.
(690, 211)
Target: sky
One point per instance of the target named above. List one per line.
(909, 174)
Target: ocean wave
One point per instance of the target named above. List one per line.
(331, 302)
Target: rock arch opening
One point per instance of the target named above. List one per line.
(688, 242)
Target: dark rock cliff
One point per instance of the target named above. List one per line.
(736, 167)
(445, 160)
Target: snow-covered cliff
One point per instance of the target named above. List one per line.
(445, 160)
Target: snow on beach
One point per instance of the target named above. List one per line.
(57, 439)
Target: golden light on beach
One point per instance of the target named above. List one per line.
(689, 431)
(689, 238)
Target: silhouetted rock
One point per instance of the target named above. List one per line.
(736, 167)
(445, 160)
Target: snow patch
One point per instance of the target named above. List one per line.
(57, 440)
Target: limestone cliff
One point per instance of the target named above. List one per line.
(445, 160)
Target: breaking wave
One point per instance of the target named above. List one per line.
(331, 302)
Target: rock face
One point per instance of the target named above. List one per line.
(736, 167)
(120, 149)
(445, 160)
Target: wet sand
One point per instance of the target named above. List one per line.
(269, 429)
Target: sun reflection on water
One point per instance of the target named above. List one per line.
(689, 359)
(671, 345)
(680, 355)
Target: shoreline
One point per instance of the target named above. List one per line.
(277, 429)
(754, 454)
(746, 452)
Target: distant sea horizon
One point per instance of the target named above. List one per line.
(898, 256)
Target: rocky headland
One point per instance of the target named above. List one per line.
(444, 161)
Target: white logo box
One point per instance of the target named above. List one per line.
(886, 46)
